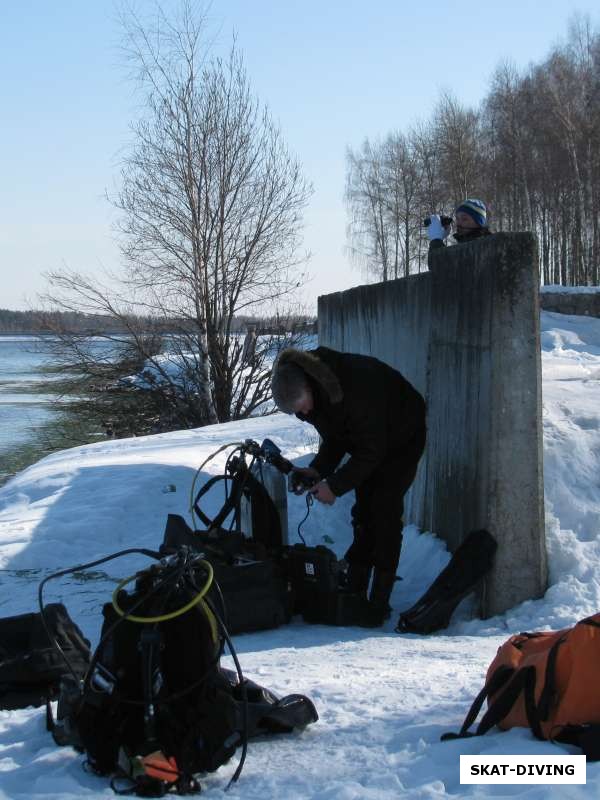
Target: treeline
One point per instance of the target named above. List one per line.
(531, 151)
(45, 322)
(49, 322)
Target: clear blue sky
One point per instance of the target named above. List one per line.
(332, 73)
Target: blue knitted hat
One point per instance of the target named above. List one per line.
(475, 209)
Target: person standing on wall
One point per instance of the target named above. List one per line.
(362, 407)
(471, 223)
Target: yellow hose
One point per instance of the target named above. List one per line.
(172, 614)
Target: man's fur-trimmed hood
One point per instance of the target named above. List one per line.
(315, 368)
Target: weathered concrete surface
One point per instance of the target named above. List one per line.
(466, 334)
(582, 303)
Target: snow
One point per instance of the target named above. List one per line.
(172, 368)
(383, 699)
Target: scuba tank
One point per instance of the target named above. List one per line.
(274, 482)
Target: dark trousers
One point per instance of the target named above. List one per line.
(377, 513)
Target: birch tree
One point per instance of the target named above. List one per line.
(209, 209)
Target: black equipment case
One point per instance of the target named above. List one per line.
(31, 666)
(314, 573)
(256, 592)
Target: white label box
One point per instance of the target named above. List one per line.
(523, 769)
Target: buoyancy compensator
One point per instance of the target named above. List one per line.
(155, 707)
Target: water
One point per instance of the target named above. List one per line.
(27, 404)
(24, 407)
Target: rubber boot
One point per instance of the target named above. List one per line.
(357, 581)
(378, 608)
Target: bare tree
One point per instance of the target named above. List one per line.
(456, 133)
(390, 187)
(402, 180)
(365, 195)
(509, 140)
(382, 186)
(210, 209)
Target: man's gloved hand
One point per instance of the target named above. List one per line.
(435, 229)
(295, 485)
(323, 493)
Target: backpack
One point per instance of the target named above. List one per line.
(156, 708)
(547, 682)
(31, 665)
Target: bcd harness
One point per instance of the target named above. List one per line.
(155, 707)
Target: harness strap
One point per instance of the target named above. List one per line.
(495, 683)
(549, 690)
(514, 682)
(238, 483)
(586, 736)
(205, 488)
(150, 641)
(523, 681)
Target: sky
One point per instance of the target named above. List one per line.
(332, 73)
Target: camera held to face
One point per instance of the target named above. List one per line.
(445, 221)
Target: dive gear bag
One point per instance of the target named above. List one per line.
(256, 592)
(468, 566)
(262, 589)
(156, 708)
(547, 682)
(31, 666)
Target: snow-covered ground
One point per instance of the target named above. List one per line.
(383, 699)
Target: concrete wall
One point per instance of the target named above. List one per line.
(466, 334)
(581, 303)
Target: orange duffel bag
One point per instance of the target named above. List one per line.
(549, 682)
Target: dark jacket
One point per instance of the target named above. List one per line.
(459, 238)
(362, 407)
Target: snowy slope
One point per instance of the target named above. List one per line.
(383, 699)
